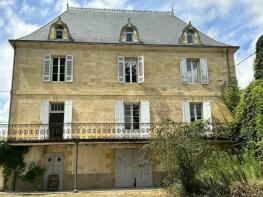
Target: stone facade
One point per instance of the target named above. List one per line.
(95, 87)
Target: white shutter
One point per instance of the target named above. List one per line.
(69, 69)
(67, 120)
(186, 112)
(204, 71)
(44, 120)
(119, 118)
(207, 115)
(121, 69)
(140, 69)
(145, 118)
(47, 68)
(183, 70)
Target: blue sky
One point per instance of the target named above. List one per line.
(235, 22)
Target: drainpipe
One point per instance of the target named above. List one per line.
(76, 167)
(12, 87)
(228, 66)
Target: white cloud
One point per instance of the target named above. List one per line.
(109, 4)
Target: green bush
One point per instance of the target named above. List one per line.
(34, 174)
(258, 65)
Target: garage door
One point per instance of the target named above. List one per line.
(127, 174)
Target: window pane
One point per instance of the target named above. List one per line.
(127, 71)
(195, 72)
(189, 72)
(199, 111)
(190, 37)
(192, 112)
(134, 71)
(62, 61)
(129, 36)
(59, 33)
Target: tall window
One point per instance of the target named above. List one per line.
(56, 120)
(128, 36)
(58, 69)
(132, 116)
(190, 37)
(196, 111)
(131, 70)
(193, 71)
(59, 32)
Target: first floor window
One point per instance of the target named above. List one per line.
(195, 111)
(56, 120)
(193, 71)
(131, 70)
(58, 69)
(132, 116)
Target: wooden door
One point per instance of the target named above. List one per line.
(127, 174)
(54, 163)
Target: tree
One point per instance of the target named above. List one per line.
(258, 65)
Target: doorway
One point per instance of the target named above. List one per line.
(56, 121)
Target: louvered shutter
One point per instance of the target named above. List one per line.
(119, 118)
(44, 120)
(140, 69)
(183, 70)
(121, 69)
(47, 68)
(204, 71)
(145, 118)
(67, 120)
(207, 116)
(186, 112)
(69, 68)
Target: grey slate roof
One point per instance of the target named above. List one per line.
(104, 26)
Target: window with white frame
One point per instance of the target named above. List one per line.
(196, 111)
(131, 67)
(131, 116)
(58, 69)
(193, 71)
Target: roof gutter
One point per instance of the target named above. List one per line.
(12, 42)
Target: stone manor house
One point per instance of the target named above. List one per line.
(88, 86)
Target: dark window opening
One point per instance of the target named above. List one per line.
(196, 111)
(56, 121)
(58, 69)
(129, 36)
(190, 37)
(132, 116)
(59, 32)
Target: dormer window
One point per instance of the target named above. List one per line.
(190, 35)
(59, 31)
(129, 33)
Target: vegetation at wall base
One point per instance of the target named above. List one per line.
(258, 64)
(12, 161)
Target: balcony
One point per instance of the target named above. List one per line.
(70, 132)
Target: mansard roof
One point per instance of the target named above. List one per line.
(104, 26)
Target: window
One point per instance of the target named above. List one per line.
(132, 116)
(59, 32)
(193, 71)
(195, 111)
(128, 36)
(131, 70)
(58, 69)
(190, 37)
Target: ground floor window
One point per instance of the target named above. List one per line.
(195, 111)
(132, 116)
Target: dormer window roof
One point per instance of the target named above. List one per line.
(129, 33)
(59, 31)
(190, 35)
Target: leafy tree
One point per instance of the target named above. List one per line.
(231, 95)
(258, 65)
(12, 161)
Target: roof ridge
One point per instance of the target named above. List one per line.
(117, 10)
